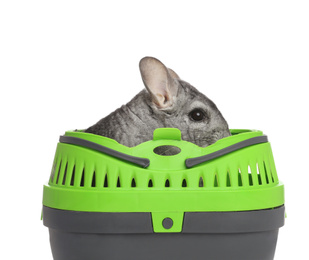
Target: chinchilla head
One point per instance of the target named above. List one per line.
(167, 101)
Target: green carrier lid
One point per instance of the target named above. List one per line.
(93, 173)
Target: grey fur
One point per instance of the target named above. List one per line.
(166, 102)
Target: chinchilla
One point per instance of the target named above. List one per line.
(167, 101)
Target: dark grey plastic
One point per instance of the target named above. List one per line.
(234, 222)
(252, 141)
(164, 246)
(97, 222)
(140, 222)
(144, 162)
(245, 235)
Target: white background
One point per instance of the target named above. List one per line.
(66, 64)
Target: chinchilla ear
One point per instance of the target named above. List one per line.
(159, 81)
(173, 74)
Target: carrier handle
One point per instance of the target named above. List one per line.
(144, 162)
(191, 162)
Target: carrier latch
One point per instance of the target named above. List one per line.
(167, 134)
(167, 222)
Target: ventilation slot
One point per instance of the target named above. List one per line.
(228, 180)
(167, 183)
(258, 174)
(73, 177)
(216, 182)
(58, 174)
(82, 181)
(240, 184)
(118, 182)
(184, 183)
(259, 179)
(201, 182)
(150, 184)
(105, 181)
(266, 175)
(93, 183)
(65, 174)
(250, 176)
(271, 174)
(133, 183)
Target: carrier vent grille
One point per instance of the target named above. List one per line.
(71, 170)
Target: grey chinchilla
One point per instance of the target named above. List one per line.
(167, 101)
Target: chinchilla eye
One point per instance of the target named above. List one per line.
(197, 115)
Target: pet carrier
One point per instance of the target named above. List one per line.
(108, 201)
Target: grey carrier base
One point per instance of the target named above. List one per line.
(243, 235)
